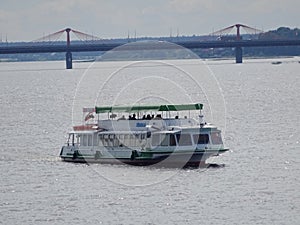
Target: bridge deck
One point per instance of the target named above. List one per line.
(38, 48)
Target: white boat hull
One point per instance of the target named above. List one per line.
(157, 159)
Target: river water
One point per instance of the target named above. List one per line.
(256, 104)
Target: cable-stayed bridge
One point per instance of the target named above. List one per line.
(219, 39)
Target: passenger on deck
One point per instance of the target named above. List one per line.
(148, 117)
(133, 117)
(158, 117)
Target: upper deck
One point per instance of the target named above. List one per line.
(144, 125)
(145, 117)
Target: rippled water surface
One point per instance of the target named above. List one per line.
(256, 104)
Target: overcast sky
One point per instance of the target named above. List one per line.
(26, 20)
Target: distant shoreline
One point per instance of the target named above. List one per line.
(8, 60)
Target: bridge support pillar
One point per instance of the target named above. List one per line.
(69, 60)
(238, 55)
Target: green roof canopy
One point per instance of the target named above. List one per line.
(180, 107)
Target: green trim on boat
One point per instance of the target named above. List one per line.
(179, 107)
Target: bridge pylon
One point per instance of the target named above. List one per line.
(238, 50)
(80, 35)
(238, 55)
(69, 61)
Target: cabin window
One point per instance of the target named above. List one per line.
(90, 140)
(142, 141)
(121, 137)
(137, 138)
(121, 140)
(100, 143)
(155, 141)
(95, 140)
(84, 140)
(132, 140)
(71, 139)
(172, 140)
(111, 136)
(110, 141)
(78, 139)
(216, 138)
(201, 139)
(105, 140)
(164, 140)
(126, 140)
(129, 140)
(116, 141)
(184, 139)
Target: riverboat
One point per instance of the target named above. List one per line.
(161, 135)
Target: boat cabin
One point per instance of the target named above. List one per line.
(146, 139)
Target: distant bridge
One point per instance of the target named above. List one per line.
(44, 47)
(31, 48)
